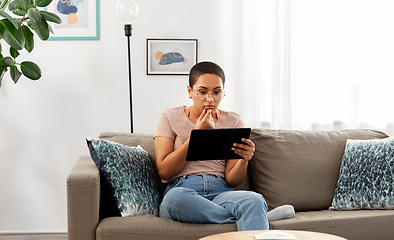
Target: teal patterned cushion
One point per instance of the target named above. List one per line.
(366, 178)
(129, 174)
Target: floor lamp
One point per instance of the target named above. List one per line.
(127, 10)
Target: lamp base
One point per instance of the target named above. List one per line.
(127, 30)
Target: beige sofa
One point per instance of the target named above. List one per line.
(289, 167)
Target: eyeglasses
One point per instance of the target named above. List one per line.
(203, 95)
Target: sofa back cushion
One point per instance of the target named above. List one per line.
(300, 168)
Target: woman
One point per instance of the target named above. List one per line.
(202, 191)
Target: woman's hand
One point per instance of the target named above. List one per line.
(246, 151)
(205, 120)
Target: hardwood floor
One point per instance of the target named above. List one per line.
(33, 236)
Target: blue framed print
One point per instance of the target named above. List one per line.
(170, 56)
(80, 19)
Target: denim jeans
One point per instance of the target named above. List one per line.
(209, 199)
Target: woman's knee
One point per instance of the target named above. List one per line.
(255, 199)
(173, 199)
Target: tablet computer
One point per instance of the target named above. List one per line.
(215, 144)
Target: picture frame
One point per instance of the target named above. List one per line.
(171, 56)
(80, 19)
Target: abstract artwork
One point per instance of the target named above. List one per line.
(171, 56)
(80, 19)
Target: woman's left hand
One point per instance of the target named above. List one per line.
(246, 151)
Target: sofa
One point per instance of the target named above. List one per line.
(300, 168)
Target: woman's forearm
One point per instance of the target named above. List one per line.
(236, 172)
(173, 163)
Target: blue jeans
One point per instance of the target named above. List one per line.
(209, 199)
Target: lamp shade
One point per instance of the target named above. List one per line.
(127, 10)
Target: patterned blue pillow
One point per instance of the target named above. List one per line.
(366, 178)
(130, 175)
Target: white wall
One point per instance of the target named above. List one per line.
(83, 92)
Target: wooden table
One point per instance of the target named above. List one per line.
(249, 235)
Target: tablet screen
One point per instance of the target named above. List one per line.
(215, 144)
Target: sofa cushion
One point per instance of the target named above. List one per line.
(360, 224)
(129, 174)
(366, 178)
(300, 167)
(149, 227)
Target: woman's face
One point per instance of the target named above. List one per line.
(205, 85)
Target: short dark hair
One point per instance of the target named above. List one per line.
(203, 68)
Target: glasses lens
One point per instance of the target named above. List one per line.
(217, 96)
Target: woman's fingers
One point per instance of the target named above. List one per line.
(202, 115)
(205, 120)
(246, 151)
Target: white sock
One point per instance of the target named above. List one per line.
(281, 212)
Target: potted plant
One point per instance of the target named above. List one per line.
(18, 34)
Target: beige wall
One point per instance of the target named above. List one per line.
(83, 92)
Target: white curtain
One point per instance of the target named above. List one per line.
(309, 65)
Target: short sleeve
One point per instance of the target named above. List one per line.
(240, 123)
(164, 127)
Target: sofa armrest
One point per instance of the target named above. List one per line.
(83, 200)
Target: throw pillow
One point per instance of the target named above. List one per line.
(129, 174)
(366, 178)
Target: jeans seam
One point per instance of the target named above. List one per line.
(240, 209)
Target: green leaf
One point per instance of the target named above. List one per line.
(29, 38)
(34, 14)
(22, 5)
(11, 19)
(31, 70)
(51, 29)
(40, 27)
(14, 53)
(50, 17)
(3, 3)
(1, 49)
(8, 61)
(15, 74)
(17, 7)
(2, 30)
(14, 37)
(13, 6)
(42, 3)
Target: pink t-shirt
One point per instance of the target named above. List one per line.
(175, 124)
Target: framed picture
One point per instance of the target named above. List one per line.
(80, 19)
(170, 56)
